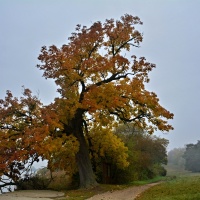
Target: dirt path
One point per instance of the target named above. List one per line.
(126, 194)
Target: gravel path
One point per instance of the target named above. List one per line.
(127, 194)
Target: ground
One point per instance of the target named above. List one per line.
(126, 194)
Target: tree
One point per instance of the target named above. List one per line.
(175, 157)
(192, 157)
(27, 133)
(19, 120)
(98, 83)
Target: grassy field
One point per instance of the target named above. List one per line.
(182, 188)
(181, 185)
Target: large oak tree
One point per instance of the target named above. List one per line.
(97, 80)
(99, 83)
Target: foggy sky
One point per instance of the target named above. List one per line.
(171, 40)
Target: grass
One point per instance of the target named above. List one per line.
(182, 188)
(144, 182)
(173, 170)
(181, 185)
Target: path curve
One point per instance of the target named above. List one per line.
(126, 194)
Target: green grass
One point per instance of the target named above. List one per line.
(182, 188)
(144, 182)
(173, 170)
(179, 185)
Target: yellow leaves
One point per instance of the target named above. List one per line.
(60, 152)
(107, 146)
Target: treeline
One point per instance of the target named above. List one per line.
(187, 158)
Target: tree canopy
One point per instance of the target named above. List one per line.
(99, 86)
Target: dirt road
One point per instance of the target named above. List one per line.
(126, 194)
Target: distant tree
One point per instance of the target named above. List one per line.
(175, 157)
(192, 157)
(98, 83)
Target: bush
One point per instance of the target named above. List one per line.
(33, 183)
(159, 170)
(44, 180)
(147, 154)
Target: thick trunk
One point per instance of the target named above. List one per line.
(87, 177)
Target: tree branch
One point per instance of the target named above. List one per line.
(122, 45)
(123, 118)
(93, 49)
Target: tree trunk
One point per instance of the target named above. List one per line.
(87, 177)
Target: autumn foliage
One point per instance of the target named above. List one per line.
(99, 87)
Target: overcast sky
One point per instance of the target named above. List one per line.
(171, 40)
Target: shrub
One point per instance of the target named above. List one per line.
(33, 183)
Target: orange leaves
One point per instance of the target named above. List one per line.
(120, 33)
(29, 131)
(21, 129)
(141, 68)
(94, 75)
(91, 52)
